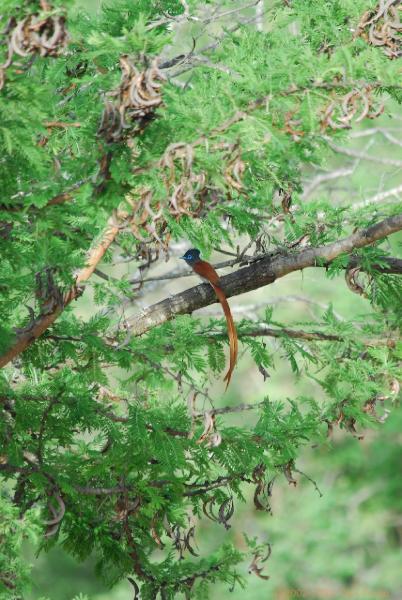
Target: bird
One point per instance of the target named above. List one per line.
(206, 271)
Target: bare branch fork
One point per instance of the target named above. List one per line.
(259, 274)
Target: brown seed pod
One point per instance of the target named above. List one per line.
(34, 35)
(382, 27)
(356, 105)
(138, 95)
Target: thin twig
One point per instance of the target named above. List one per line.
(317, 336)
(323, 177)
(212, 485)
(380, 197)
(61, 124)
(385, 131)
(363, 156)
(230, 409)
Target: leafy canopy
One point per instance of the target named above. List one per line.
(172, 121)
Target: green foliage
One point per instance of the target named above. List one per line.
(115, 440)
(14, 529)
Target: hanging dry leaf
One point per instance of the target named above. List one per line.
(34, 35)
(139, 94)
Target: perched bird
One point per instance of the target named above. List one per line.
(208, 273)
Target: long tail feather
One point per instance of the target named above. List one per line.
(232, 333)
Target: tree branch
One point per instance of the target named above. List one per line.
(259, 274)
(41, 323)
(390, 266)
(363, 156)
(380, 197)
(262, 330)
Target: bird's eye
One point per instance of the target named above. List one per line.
(190, 256)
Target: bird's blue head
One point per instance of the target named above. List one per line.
(191, 256)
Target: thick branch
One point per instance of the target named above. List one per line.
(259, 274)
(389, 265)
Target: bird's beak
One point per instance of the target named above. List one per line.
(183, 257)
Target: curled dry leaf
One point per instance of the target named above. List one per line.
(34, 35)
(258, 473)
(263, 489)
(286, 200)
(226, 511)
(137, 594)
(235, 168)
(262, 496)
(188, 191)
(144, 220)
(190, 535)
(291, 125)
(125, 507)
(139, 94)
(382, 27)
(350, 425)
(167, 526)
(53, 524)
(370, 406)
(287, 470)
(182, 541)
(177, 151)
(209, 426)
(207, 508)
(259, 558)
(47, 292)
(356, 105)
(57, 516)
(184, 192)
(185, 197)
(351, 278)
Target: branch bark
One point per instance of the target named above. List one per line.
(259, 274)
